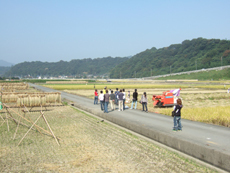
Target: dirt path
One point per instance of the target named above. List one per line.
(87, 145)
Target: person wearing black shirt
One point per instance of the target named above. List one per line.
(135, 95)
(177, 116)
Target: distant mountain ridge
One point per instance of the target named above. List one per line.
(82, 67)
(189, 55)
(5, 64)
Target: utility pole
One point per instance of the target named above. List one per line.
(170, 69)
(221, 62)
(120, 74)
(151, 72)
(196, 65)
(1, 99)
(135, 74)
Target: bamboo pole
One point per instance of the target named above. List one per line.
(30, 118)
(29, 121)
(50, 128)
(29, 130)
(16, 129)
(2, 123)
(11, 116)
(20, 122)
(2, 118)
(7, 123)
(33, 128)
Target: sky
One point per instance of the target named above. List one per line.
(54, 30)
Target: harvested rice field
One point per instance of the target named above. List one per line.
(87, 145)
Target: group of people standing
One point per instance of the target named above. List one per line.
(118, 98)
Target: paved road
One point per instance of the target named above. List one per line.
(210, 143)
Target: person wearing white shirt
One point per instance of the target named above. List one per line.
(123, 99)
(102, 101)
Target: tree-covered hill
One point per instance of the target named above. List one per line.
(3, 70)
(96, 66)
(189, 55)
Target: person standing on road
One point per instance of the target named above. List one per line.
(177, 115)
(124, 99)
(112, 100)
(116, 94)
(102, 102)
(104, 90)
(135, 95)
(144, 101)
(106, 101)
(128, 97)
(95, 97)
(120, 98)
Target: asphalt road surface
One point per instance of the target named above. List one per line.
(210, 143)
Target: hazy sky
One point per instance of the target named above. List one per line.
(54, 30)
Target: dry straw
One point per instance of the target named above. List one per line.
(13, 86)
(31, 99)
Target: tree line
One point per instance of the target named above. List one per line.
(98, 66)
(3, 70)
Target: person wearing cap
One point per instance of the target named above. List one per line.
(144, 102)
